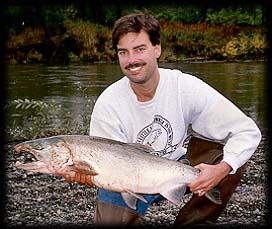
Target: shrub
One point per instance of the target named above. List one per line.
(91, 39)
(42, 119)
(238, 16)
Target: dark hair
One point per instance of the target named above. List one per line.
(135, 22)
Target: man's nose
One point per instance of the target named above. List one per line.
(132, 58)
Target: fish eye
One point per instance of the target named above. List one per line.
(38, 147)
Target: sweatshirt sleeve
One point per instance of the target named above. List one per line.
(105, 122)
(216, 117)
(224, 120)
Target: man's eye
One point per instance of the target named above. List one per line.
(141, 49)
(121, 53)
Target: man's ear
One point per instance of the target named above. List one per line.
(157, 51)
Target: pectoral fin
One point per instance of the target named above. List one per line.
(130, 198)
(175, 194)
(84, 167)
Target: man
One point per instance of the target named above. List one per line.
(155, 106)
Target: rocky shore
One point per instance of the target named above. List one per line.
(46, 200)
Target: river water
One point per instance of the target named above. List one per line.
(75, 87)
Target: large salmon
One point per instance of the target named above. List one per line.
(130, 169)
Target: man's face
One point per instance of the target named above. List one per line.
(137, 56)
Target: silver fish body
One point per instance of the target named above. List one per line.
(127, 168)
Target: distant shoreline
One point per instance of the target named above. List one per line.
(86, 42)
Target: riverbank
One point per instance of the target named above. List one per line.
(81, 41)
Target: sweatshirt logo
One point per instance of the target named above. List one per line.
(158, 135)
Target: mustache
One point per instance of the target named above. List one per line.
(135, 65)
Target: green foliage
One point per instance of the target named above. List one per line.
(74, 33)
(36, 15)
(93, 41)
(185, 14)
(29, 104)
(38, 111)
(111, 14)
(53, 15)
(245, 45)
(211, 42)
(42, 119)
(239, 16)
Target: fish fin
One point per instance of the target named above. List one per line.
(214, 195)
(185, 161)
(175, 194)
(130, 198)
(137, 196)
(84, 167)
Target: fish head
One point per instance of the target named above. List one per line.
(45, 155)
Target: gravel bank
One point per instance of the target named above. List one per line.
(46, 200)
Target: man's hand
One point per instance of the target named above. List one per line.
(209, 177)
(80, 178)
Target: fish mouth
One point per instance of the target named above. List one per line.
(27, 159)
(25, 155)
